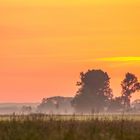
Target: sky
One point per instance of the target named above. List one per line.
(45, 44)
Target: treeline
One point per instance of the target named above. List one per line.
(96, 95)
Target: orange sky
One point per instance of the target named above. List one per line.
(44, 45)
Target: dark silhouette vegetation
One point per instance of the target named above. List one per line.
(94, 95)
(129, 86)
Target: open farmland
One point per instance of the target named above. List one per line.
(56, 127)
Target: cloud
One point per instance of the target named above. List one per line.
(118, 59)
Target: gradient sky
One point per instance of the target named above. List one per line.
(45, 44)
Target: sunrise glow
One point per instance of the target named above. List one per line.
(44, 45)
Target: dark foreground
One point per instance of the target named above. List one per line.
(69, 128)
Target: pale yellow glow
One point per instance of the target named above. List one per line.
(119, 59)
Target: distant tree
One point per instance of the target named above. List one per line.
(136, 105)
(26, 109)
(55, 105)
(116, 104)
(94, 93)
(129, 85)
(46, 105)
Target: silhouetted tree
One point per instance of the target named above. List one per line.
(94, 93)
(129, 85)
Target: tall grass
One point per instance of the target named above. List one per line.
(45, 127)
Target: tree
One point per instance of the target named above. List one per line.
(94, 92)
(129, 86)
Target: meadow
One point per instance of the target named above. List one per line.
(70, 127)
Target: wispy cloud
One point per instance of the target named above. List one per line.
(118, 59)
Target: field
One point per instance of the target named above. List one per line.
(60, 127)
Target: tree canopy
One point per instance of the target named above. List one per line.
(129, 85)
(94, 92)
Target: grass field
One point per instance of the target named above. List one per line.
(60, 127)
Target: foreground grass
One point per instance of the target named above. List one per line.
(69, 128)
